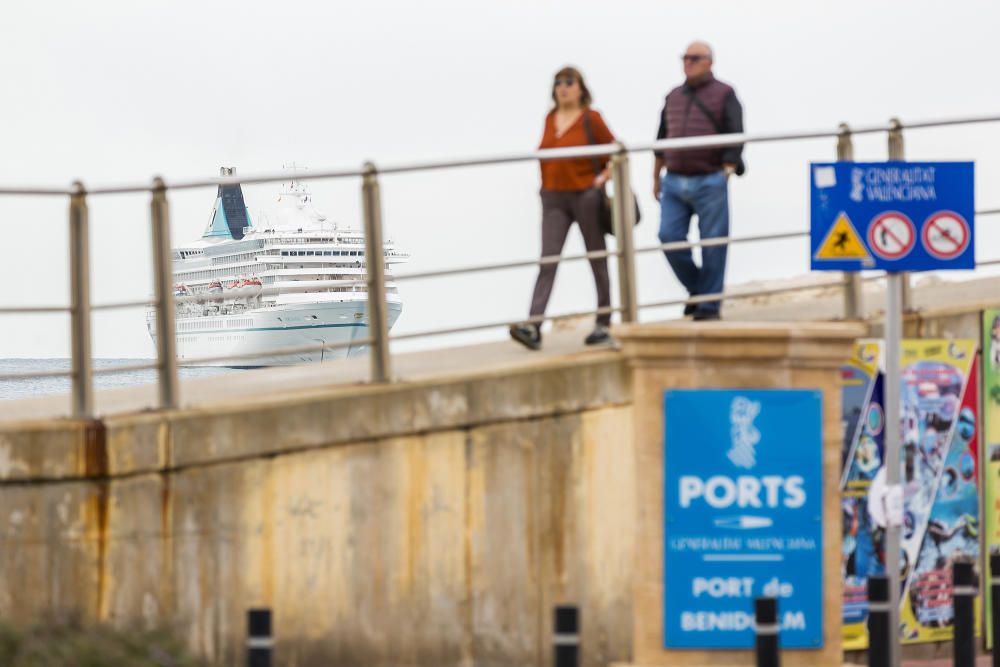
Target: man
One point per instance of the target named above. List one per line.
(696, 182)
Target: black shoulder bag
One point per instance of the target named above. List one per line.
(605, 217)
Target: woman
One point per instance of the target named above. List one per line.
(572, 191)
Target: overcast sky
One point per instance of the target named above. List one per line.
(112, 91)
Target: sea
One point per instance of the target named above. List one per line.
(34, 387)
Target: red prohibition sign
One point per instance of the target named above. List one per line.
(892, 235)
(945, 235)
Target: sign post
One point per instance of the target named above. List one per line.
(896, 216)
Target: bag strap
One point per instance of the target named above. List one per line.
(594, 162)
(701, 105)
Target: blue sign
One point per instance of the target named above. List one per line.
(896, 216)
(743, 515)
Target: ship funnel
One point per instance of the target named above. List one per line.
(229, 215)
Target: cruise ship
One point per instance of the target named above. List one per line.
(291, 278)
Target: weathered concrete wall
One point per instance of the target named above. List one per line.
(729, 355)
(429, 523)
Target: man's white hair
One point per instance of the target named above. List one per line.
(708, 47)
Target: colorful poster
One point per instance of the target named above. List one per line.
(941, 501)
(991, 444)
(863, 448)
(938, 407)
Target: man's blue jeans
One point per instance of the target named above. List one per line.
(707, 197)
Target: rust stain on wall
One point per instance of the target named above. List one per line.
(95, 467)
(415, 506)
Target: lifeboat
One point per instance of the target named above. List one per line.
(181, 290)
(214, 287)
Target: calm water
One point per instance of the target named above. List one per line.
(31, 388)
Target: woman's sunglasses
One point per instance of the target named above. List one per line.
(565, 81)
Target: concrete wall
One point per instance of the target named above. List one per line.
(425, 523)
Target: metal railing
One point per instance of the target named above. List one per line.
(164, 302)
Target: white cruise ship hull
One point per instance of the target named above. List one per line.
(263, 330)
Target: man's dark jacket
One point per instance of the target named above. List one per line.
(682, 117)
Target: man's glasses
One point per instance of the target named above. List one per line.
(693, 59)
(565, 81)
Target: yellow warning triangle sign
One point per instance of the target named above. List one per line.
(842, 242)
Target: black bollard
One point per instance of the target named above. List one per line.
(766, 627)
(259, 639)
(566, 636)
(963, 590)
(878, 621)
(995, 600)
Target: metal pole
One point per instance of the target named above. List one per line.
(79, 268)
(879, 637)
(566, 637)
(766, 629)
(852, 279)
(896, 152)
(166, 341)
(623, 221)
(963, 582)
(893, 337)
(378, 319)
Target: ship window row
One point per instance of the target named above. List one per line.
(227, 259)
(198, 325)
(321, 253)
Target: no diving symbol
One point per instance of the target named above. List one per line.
(946, 235)
(891, 235)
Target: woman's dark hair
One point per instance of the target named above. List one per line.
(585, 97)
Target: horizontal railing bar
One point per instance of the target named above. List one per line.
(116, 305)
(989, 211)
(943, 122)
(28, 375)
(721, 240)
(725, 296)
(275, 352)
(548, 259)
(23, 310)
(124, 368)
(596, 150)
(545, 154)
(34, 191)
(538, 319)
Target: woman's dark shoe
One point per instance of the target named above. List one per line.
(527, 335)
(706, 315)
(599, 335)
(690, 308)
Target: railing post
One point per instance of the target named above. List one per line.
(995, 606)
(260, 640)
(964, 589)
(566, 637)
(766, 629)
(853, 308)
(623, 220)
(897, 152)
(79, 263)
(879, 622)
(378, 320)
(166, 341)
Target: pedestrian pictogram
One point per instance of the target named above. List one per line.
(946, 235)
(842, 242)
(891, 235)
